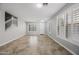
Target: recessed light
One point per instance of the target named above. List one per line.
(39, 5)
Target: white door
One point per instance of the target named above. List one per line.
(32, 28)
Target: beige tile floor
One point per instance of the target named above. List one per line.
(33, 45)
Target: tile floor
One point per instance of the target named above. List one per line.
(33, 45)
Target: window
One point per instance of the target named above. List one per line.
(32, 27)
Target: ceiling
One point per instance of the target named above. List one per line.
(29, 11)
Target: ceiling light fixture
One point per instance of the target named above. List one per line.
(45, 4)
(40, 5)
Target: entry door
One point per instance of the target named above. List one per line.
(32, 28)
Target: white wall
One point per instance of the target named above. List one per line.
(13, 32)
(42, 28)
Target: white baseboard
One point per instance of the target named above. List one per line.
(62, 45)
(12, 40)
